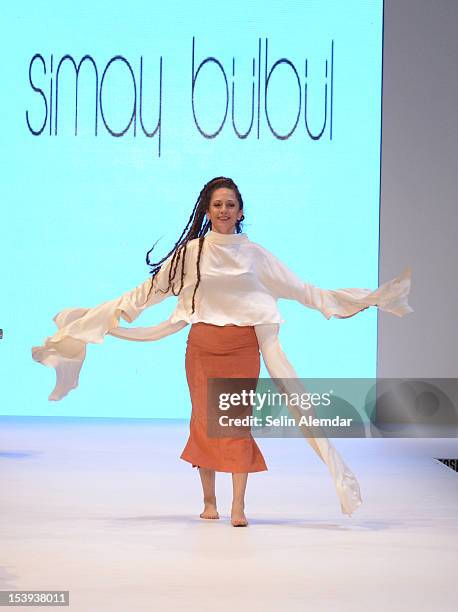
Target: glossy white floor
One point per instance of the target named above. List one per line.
(108, 511)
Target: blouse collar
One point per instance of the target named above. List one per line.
(217, 238)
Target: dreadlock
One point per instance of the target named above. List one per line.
(196, 227)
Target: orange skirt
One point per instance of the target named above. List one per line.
(215, 351)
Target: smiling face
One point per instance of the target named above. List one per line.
(224, 210)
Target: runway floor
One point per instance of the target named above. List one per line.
(107, 510)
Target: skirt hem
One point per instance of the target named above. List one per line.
(220, 469)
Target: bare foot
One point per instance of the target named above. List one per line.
(238, 518)
(210, 511)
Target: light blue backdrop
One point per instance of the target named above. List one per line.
(82, 210)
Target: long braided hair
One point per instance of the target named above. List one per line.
(197, 227)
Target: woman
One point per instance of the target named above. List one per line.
(228, 289)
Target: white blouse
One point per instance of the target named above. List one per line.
(240, 284)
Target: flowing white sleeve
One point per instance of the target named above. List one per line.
(66, 349)
(340, 303)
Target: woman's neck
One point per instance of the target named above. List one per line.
(219, 238)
